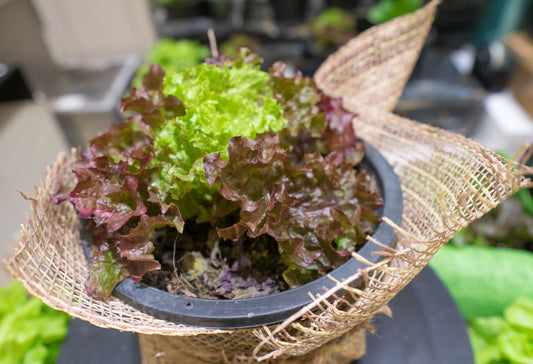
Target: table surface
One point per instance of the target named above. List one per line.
(426, 327)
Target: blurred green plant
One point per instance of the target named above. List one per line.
(484, 280)
(387, 10)
(30, 331)
(237, 41)
(507, 339)
(333, 27)
(173, 56)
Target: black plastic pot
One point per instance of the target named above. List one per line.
(249, 312)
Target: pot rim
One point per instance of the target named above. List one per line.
(275, 308)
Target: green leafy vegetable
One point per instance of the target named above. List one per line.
(172, 56)
(236, 41)
(30, 331)
(507, 340)
(520, 314)
(250, 152)
(221, 102)
(333, 27)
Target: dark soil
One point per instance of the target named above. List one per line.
(199, 264)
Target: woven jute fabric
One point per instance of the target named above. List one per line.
(371, 70)
(447, 180)
(158, 349)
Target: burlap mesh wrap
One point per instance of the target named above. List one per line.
(447, 181)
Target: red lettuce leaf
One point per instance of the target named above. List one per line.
(316, 122)
(243, 57)
(119, 139)
(122, 230)
(116, 256)
(299, 98)
(107, 269)
(304, 209)
(105, 192)
(150, 102)
(136, 244)
(112, 190)
(339, 135)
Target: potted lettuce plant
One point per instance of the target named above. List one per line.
(233, 192)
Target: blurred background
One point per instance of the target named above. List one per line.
(65, 65)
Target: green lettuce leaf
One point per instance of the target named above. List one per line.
(520, 314)
(221, 102)
(504, 340)
(484, 345)
(30, 331)
(172, 56)
(516, 346)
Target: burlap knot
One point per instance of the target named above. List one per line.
(447, 180)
